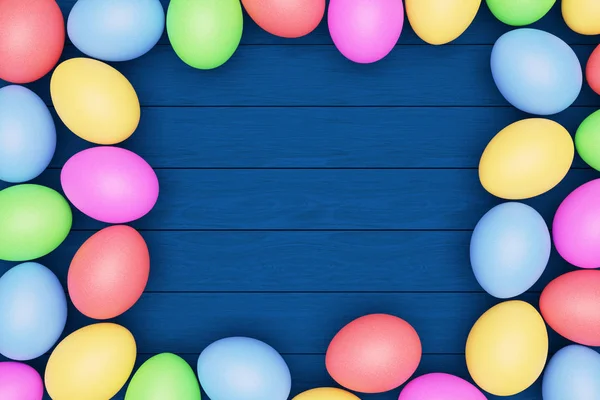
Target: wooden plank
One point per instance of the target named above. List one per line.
(335, 137)
(303, 261)
(319, 76)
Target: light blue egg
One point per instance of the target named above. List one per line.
(510, 249)
(536, 71)
(27, 135)
(240, 368)
(116, 30)
(573, 373)
(33, 311)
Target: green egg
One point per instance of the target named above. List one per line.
(164, 377)
(587, 140)
(34, 220)
(205, 33)
(520, 12)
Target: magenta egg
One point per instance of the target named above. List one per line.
(440, 386)
(110, 184)
(19, 381)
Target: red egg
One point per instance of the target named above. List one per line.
(286, 18)
(109, 272)
(374, 354)
(570, 304)
(32, 37)
(592, 70)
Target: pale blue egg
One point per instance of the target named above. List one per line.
(33, 311)
(240, 368)
(536, 71)
(510, 249)
(116, 30)
(573, 373)
(27, 135)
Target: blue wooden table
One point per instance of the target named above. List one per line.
(300, 191)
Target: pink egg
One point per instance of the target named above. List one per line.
(110, 184)
(576, 226)
(19, 381)
(439, 386)
(365, 31)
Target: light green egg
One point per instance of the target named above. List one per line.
(587, 140)
(205, 33)
(520, 12)
(164, 377)
(34, 220)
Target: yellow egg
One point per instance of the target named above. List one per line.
(507, 348)
(92, 363)
(582, 16)
(441, 21)
(95, 101)
(326, 394)
(526, 159)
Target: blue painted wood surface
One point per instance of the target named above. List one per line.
(299, 191)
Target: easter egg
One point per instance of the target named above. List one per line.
(520, 12)
(582, 16)
(507, 348)
(109, 272)
(326, 394)
(20, 382)
(374, 354)
(92, 363)
(574, 227)
(35, 220)
(365, 31)
(570, 305)
(32, 37)
(110, 184)
(573, 373)
(441, 21)
(438, 386)
(116, 30)
(240, 368)
(592, 71)
(536, 71)
(33, 311)
(587, 140)
(286, 18)
(164, 377)
(27, 135)
(526, 159)
(205, 33)
(95, 101)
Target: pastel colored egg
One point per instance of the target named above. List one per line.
(326, 394)
(205, 33)
(29, 54)
(240, 368)
(587, 140)
(592, 71)
(374, 354)
(110, 184)
(570, 305)
(574, 227)
(582, 16)
(507, 348)
(526, 159)
(95, 101)
(536, 71)
(109, 272)
(573, 373)
(116, 30)
(27, 135)
(438, 386)
(520, 12)
(35, 221)
(33, 311)
(365, 31)
(441, 21)
(20, 382)
(286, 18)
(164, 377)
(92, 363)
